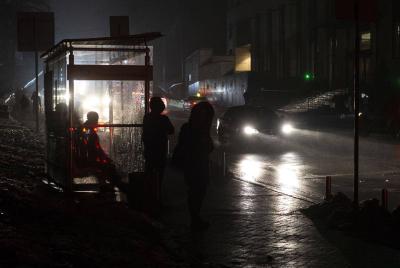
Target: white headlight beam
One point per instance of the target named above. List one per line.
(248, 130)
(287, 129)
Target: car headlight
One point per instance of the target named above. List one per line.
(248, 130)
(287, 129)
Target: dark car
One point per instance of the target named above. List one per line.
(245, 122)
(192, 101)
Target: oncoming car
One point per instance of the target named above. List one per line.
(246, 122)
(192, 101)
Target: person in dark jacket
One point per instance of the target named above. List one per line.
(197, 145)
(156, 128)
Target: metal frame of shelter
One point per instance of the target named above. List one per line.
(59, 168)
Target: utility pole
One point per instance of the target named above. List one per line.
(357, 11)
(356, 99)
(36, 94)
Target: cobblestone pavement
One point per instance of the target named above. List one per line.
(251, 226)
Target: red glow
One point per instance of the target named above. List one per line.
(367, 10)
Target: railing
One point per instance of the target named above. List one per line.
(313, 102)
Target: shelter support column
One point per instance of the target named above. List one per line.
(71, 95)
(147, 81)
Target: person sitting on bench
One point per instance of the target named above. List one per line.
(95, 157)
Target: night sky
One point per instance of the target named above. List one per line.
(186, 26)
(89, 18)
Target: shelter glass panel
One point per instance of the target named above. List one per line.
(110, 57)
(59, 92)
(116, 102)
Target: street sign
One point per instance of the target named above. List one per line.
(119, 26)
(110, 72)
(35, 31)
(345, 10)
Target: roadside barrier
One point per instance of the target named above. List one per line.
(328, 188)
(384, 198)
(224, 164)
(4, 111)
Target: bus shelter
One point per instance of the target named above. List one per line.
(111, 76)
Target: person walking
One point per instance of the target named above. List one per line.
(156, 128)
(196, 145)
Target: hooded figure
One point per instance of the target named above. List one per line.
(196, 144)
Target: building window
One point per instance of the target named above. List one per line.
(243, 59)
(365, 41)
(396, 40)
(396, 28)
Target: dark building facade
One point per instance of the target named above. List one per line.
(288, 40)
(194, 24)
(294, 48)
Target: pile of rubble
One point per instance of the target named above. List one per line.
(369, 220)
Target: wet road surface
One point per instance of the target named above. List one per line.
(298, 164)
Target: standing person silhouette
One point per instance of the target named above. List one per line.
(196, 144)
(156, 128)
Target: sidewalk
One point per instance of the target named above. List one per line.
(251, 226)
(42, 227)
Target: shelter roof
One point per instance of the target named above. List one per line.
(121, 42)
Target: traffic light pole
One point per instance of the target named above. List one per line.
(356, 99)
(36, 94)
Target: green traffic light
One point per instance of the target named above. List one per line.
(308, 76)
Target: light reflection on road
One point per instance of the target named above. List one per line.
(250, 168)
(288, 172)
(284, 173)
